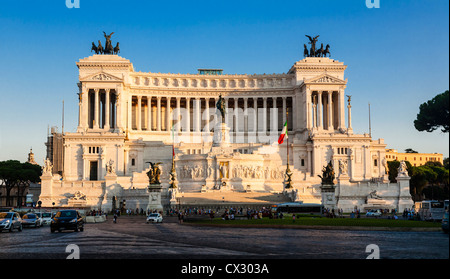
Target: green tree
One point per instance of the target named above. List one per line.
(410, 150)
(446, 163)
(16, 174)
(393, 169)
(431, 181)
(434, 114)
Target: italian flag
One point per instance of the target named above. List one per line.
(284, 134)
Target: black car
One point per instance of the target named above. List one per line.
(67, 220)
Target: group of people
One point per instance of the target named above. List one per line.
(410, 214)
(332, 213)
(190, 211)
(94, 212)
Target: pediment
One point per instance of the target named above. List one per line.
(325, 79)
(101, 76)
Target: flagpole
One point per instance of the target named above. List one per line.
(287, 139)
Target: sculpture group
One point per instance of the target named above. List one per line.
(154, 174)
(313, 52)
(328, 174)
(108, 49)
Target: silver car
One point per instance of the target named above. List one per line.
(10, 221)
(31, 220)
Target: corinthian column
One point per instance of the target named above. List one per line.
(178, 113)
(255, 117)
(96, 108)
(197, 115)
(264, 115)
(168, 118)
(330, 114)
(207, 114)
(107, 112)
(139, 113)
(188, 115)
(158, 111)
(319, 110)
(149, 113)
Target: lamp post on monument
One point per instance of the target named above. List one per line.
(288, 189)
(288, 176)
(173, 188)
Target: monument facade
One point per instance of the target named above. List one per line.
(216, 133)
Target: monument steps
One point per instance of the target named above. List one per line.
(218, 197)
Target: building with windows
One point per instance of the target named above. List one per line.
(416, 159)
(129, 118)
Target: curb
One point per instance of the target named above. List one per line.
(306, 227)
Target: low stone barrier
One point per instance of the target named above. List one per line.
(95, 219)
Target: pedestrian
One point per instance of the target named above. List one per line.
(293, 218)
(115, 218)
(180, 217)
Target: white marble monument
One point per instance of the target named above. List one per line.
(127, 118)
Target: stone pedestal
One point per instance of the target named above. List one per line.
(154, 198)
(221, 135)
(111, 192)
(404, 198)
(328, 196)
(375, 204)
(46, 190)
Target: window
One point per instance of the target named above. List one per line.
(133, 162)
(375, 162)
(94, 150)
(303, 162)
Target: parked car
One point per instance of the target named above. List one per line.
(31, 220)
(10, 221)
(445, 222)
(373, 213)
(67, 220)
(154, 218)
(46, 217)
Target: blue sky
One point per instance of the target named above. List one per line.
(397, 55)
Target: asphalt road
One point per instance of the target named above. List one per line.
(132, 238)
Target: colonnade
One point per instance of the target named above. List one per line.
(326, 111)
(198, 114)
(99, 109)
